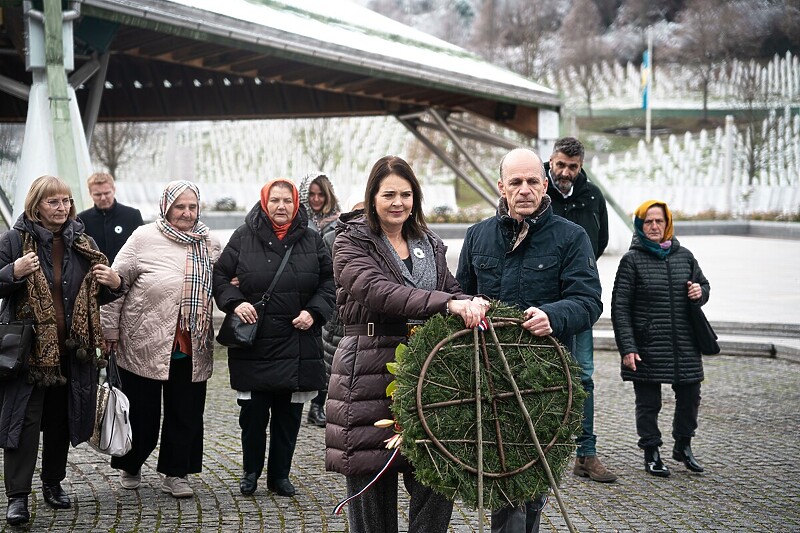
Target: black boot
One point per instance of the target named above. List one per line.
(248, 483)
(17, 512)
(683, 452)
(316, 415)
(653, 464)
(55, 496)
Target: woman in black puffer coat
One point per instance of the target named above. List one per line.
(656, 282)
(284, 368)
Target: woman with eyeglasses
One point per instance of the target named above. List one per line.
(52, 274)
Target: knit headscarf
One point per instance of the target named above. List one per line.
(320, 219)
(662, 249)
(36, 304)
(196, 295)
(280, 229)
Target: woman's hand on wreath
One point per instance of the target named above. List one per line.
(470, 311)
(246, 312)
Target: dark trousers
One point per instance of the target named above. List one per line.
(181, 450)
(320, 398)
(648, 405)
(283, 418)
(523, 519)
(375, 511)
(46, 411)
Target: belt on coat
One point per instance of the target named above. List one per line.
(371, 329)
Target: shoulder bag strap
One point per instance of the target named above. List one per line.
(285, 260)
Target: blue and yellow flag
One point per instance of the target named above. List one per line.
(645, 78)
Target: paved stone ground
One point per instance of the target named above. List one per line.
(749, 427)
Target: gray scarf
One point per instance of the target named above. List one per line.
(422, 260)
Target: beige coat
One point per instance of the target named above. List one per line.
(144, 320)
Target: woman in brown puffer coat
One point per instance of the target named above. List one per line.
(390, 270)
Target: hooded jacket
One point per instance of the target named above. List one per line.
(283, 358)
(649, 314)
(82, 377)
(370, 288)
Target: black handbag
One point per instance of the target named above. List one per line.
(16, 341)
(704, 334)
(237, 334)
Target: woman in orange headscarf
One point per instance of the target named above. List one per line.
(656, 282)
(284, 367)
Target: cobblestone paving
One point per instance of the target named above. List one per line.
(747, 440)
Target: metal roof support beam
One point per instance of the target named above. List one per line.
(95, 96)
(438, 152)
(485, 136)
(80, 76)
(14, 88)
(457, 142)
(474, 133)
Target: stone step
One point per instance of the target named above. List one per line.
(769, 346)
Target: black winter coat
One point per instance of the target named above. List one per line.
(82, 378)
(284, 358)
(110, 228)
(370, 288)
(586, 207)
(332, 331)
(649, 313)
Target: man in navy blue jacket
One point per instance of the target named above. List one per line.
(109, 222)
(529, 257)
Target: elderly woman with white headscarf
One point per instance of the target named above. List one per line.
(161, 330)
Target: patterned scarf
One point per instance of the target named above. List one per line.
(86, 334)
(196, 296)
(520, 229)
(422, 261)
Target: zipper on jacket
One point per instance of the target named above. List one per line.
(675, 357)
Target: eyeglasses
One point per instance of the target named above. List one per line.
(55, 204)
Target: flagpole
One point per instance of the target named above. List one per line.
(648, 118)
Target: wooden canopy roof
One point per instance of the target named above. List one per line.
(239, 59)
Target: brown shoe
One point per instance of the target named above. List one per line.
(592, 468)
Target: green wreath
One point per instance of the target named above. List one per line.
(443, 401)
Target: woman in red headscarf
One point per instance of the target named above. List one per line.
(284, 367)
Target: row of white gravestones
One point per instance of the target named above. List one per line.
(666, 168)
(261, 150)
(779, 79)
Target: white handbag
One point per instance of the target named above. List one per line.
(112, 429)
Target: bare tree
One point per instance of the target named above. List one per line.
(114, 143)
(705, 41)
(321, 143)
(527, 26)
(486, 31)
(583, 47)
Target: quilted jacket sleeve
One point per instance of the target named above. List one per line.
(622, 305)
(227, 295)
